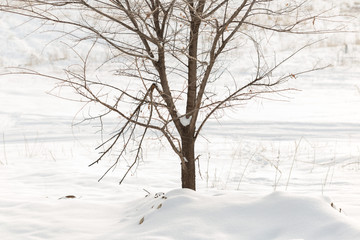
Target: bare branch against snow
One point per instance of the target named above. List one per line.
(166, 55)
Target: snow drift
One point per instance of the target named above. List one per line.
(184, 214)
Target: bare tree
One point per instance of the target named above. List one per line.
(170, 52)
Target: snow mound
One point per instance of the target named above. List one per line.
(184, 214)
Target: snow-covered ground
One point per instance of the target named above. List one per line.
(273, 169)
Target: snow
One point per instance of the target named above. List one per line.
(184, 120)
(190, 215)
(278, 169)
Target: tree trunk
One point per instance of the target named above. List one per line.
(188, 169)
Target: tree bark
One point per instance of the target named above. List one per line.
(188, 177)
